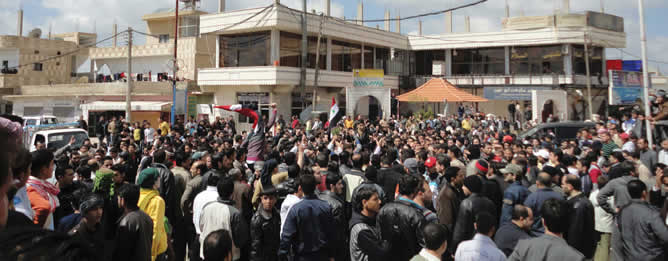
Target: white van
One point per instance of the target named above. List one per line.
(39, 120)
(54, 139)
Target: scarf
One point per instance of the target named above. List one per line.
(46, 190)
(104, 182)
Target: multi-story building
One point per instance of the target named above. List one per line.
(86, 81)
(257, 58)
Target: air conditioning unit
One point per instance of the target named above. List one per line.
(438, 68)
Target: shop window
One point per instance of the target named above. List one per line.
(260, 100)
(595, 60)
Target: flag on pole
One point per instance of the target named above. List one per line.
(333, 113)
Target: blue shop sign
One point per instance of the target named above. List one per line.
(512, 93)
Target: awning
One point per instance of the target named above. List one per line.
(439, 90)
(120, 106)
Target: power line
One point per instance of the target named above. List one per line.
(69, 53)
(419, 15)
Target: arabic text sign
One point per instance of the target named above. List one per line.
(368, 78)
(625, 87)
(511, 93)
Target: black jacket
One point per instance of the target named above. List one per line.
(492, 190)
(643, 232)
(581, 234)
(308, 230)
(507, 236)
(388, 179)
(365, 239)
(340, 218)
(134, 237)
(168, 193)
(401, 224)
(469, 208)
(265, 239)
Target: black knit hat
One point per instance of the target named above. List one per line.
(473, 183)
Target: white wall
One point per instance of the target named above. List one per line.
(11, 55)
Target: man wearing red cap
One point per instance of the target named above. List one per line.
(432, 176)
(628, 143)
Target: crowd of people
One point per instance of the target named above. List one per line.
(463, 187)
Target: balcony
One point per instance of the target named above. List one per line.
(9, 80)
(279, 75)
(519, 80)
(100, 89)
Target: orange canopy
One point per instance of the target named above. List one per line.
(438, 90)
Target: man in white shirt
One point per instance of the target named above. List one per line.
(481, 247)
(210, 194)
(603, 222)
(290, 201)
(663, 153)
(149, 133)
(436, 242)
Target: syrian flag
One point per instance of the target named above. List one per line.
(244, 109)
(333, 113)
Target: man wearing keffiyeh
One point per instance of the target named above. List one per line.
(43, 195)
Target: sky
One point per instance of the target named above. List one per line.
(98, 16)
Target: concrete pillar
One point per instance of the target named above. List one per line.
(217, 52)
(221, 6)
(360, 13)
(362, 55)
(567, 55)
(398, 23)
(420, 28)
(328, 8)
(19, 23)
(506, 51)
(448, 62)
(387, 20)
(566, 8)
(467, 22)
(275, 46)
(448, 22)
(329, 54)
(114, 31)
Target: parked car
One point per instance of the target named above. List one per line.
(39, 120)
(562, 130)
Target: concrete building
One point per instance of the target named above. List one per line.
(86, 80)
(544, 52)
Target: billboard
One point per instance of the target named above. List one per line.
(625, 87)
(368, 78)
(511, 93)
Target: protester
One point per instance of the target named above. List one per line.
(509, 234)
(481, 247)
(90, 228)
(265, 229)
(42, 194)
(435, 241)
(365, 241)
(470, 207)
(643, 233)
(135, 228)
(580, 234)
(550, 246)
(152, 204)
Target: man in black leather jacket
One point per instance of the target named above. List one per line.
(580, 234)
(469, 208)
(265, 228)
(401, 221)
(334, 197)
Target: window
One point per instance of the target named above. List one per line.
(5, 64)
(37, 67)
(368, 57)
(346, 56)
(382, 58)
(536, 60)
(163, 38)
(291, 46)
(478, 61)
(595, 60)
(245, 50)
(424, 61)
(259, 99)
(189, 26)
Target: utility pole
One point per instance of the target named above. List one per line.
(586, 44)
(645, 75)
(128, 89)
(302, 80)
(317, 64)
(176, 37)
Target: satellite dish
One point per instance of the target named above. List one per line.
(35, 33)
